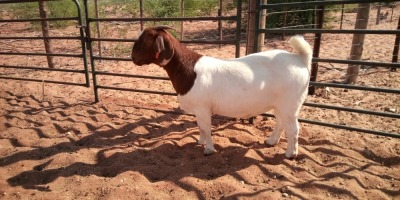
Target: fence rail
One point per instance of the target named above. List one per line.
(40, 38)
(44, 81)
(355, 87)
(157, 19)
(341, 31)
(316, 3)
(43, 69)
(41, 19)
(357, 62)
(349, 128)
(41, 54)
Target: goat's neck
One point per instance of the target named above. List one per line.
(180, 68)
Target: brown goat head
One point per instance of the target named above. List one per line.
(153, 46)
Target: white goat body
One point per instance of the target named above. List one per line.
(249, 86)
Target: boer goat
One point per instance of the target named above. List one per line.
(272, 80)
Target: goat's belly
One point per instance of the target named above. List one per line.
(238, 110)
(234, 107)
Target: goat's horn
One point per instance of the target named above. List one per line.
(163, 27)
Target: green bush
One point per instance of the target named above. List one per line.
(292, 18)
(200, 8)
(162, 8)
(56, 9)
(129, 8)
(24, 10)
(63, 9)
(152, 8)
(172, 8)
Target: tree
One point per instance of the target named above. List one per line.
(358, 42)
(45, 30)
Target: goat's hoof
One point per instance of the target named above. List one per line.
(291, 155)
(271, 141)
(208, 152)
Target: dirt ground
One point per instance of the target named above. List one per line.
(55, 143)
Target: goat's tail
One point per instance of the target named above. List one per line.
(303, 48)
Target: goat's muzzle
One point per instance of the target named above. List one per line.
(136, 60)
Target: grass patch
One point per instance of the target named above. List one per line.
(56, 9)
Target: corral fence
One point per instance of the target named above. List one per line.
(81, 38)
(88, 36)
(320, 8)
(93, 21)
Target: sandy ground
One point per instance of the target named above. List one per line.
(55, 143)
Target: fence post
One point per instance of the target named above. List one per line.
(255, 45)
(45, 31)
(285, 20)
(341, 17)
(89, 43)
(251, 26)
(261, 24)
(378, 13)
(98, 28)
(358, 42)
(238, 27)
(182, 15)
(391, 16)
(220, 22)
(141, 14)
(395, 56)
(317, 45)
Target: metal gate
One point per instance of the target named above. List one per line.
(318, 31)
(81, 38)
(92, 20)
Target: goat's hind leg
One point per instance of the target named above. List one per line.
(292, 131)
(286, 119)
(276, 133)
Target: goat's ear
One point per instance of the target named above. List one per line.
(164, 50)
(159, 44)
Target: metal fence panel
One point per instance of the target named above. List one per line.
(91, 20)
(81, 39)
(317, 32)
(89, 36)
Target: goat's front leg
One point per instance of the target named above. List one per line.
(276, 133)
(204, 123)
